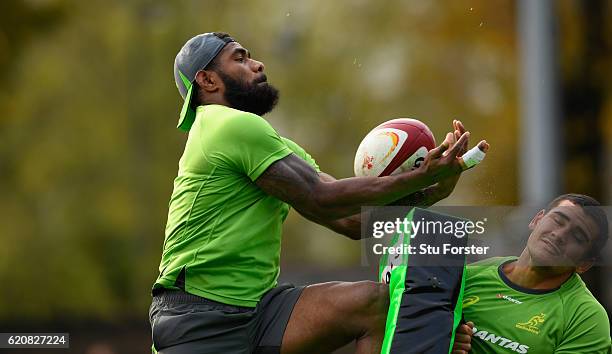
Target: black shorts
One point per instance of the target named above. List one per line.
(184, 323)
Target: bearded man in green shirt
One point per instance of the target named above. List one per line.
(217, 288)
(537, 303)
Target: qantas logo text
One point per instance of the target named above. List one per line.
(501, 341)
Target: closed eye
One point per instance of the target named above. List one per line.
(559, 217)
(580, 236)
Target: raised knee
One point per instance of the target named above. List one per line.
(374, 304)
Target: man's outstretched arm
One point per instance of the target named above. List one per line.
(294, 181)
(350, 226)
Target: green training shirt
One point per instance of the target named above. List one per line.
(223, 229)
(511, 319)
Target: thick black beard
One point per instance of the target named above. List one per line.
(257, 98)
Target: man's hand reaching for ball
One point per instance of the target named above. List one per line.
(443, 161)
(472, 157)
(445, 186)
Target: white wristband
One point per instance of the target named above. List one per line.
(472, 158)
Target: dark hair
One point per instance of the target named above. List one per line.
(593, 209)
(213, 65)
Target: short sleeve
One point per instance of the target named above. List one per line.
(299, 151)
(588, 331)
(249, 143)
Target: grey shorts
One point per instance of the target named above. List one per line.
(183, 323)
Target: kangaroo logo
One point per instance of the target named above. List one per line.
(532, 324)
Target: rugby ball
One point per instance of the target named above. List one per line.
(394, 146)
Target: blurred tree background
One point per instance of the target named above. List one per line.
(89, 148)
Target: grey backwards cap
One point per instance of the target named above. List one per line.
(195, 55)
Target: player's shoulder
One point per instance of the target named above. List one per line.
(584, 320)
(579, 301)
(295, 147)
(301, 152)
